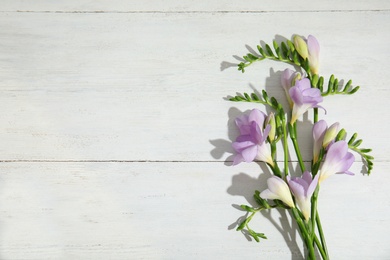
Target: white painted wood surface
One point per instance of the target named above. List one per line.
(115, 135)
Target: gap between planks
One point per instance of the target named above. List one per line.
(140, 161)
(196, 12)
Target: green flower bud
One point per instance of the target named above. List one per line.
(330, 134)
(297, 77)
(301, 47)
(271, 121)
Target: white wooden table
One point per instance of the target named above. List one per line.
(115, 135)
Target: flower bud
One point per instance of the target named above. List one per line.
(271, 121)
(278, 190)
(319, 130)
(301, 47)
(330, 134)
(296, 78)
(314, 52)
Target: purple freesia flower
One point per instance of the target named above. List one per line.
(303, 188)
(250, 145)
(304, 98)
(278, 190)
(287, 79)
(244, 122)
(337, 160)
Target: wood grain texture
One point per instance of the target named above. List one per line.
(174, 211)
(150, 86)
(116, 132)
(191, 6)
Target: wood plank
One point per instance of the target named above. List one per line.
(150, 86)
(174, 211)
(188, 6)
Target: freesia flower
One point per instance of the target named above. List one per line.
(278, 190)
(319, 130)
(250, 145)
(288, 80)
(304, 97)
(309, 49)
(337, 160)
(303, 188)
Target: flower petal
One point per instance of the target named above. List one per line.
(312, 186)
(337, 160)
(243, 124)
(296, 95)
(240, 146)
(312, 95)
(306, 176)
(249, 154)
(296, 188)
(286, 79)
(313, 46)
(238, 159)
(264, 154)
(267, 194)
(346, 163)
(279, 187)
(319, 130)
(336, 151)
(303, 84)
(258, 117)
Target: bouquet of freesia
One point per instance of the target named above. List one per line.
(260, 134)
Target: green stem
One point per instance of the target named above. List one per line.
(275, 169)
(314, 209)
(319, 246)
(285, 146)
(294, 139)
(270, 58)
(315, 116)
(322, 237)
(273, 150)
(307, 238)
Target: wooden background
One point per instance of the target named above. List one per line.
(115, 130)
